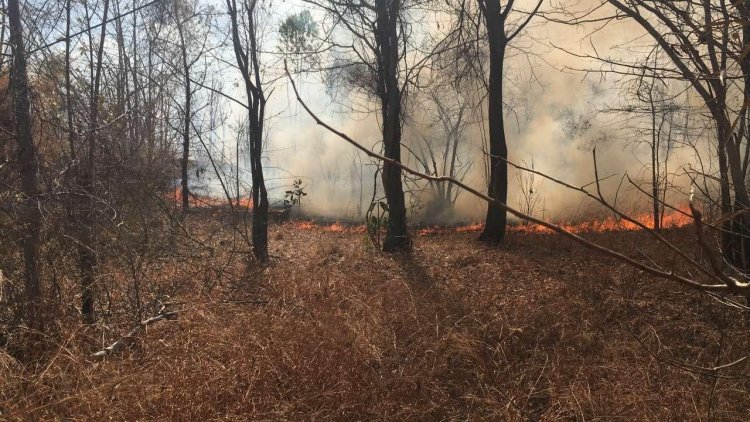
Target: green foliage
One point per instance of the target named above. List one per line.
(294, 195)
(297, 34)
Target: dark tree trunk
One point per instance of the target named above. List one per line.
(655, 186)
(86, 248)
(248, 63)
(186, 118)
(27, 161)
(494, 228)
(655, 140)
(260, 194)
(389, 91)
(735, 236)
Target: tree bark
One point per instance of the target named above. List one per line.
(397, 236)
(31, 216)
(248, 63)
(655, 140)
(186, 118)
(496, 221)
(86, 248)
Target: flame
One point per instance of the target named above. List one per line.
(304, 225)
(471, 228)
(336, 227)
(202, 201)
(673, 219)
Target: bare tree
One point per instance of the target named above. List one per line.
(245, 41)
(440, 151)
(374, 63)
(651, 112)
(500, 33)
(191, 50)
(705, 44)
(86, 174)
(530, 187)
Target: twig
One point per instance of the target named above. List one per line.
(694, 369)
(120, 344)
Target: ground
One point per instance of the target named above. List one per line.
(537, 329)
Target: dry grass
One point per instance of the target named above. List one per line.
(536, 329)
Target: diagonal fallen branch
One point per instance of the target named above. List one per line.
(717, 276)
(739, 288)
(120, 344)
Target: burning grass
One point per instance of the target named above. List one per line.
(677, 218)
(332, 330)
(196, 200)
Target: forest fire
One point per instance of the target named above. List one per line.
(205, 201)
(336, 227)
(679, 217)
(673, 219)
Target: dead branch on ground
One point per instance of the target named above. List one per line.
(120, 344)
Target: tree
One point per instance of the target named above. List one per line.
(191, 50)
(373, 62)
(247, 54)
(187, 115)
(500, 33)
(706, 46)
(31, 216)
(651, 112)
(86, 169)
(440, 151)
(297, 36)
(661, 112)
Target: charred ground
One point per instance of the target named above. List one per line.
(536, 329)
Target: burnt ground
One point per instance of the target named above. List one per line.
(537, 329)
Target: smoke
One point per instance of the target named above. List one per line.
(556, 116)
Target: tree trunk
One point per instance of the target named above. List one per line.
(494, 228)
(186, 119)
(260, 194)
(249, 66)
(655, 138)
(389, 90)
(86, 221)
(31, 216)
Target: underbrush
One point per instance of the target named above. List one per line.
(536, 329)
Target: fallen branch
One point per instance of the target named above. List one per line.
(120, 344)
(600, 199)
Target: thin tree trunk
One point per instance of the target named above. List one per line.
(2, 37)
(86, 248)
(654, 161)
(186, 119)
(68, 86)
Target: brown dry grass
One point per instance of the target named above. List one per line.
(536, 329)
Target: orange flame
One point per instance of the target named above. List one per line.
(203, 201)
(331, 228)
(674, 219)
